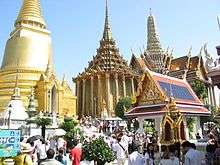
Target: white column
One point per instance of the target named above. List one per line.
(132, 86)
(213, 96)
(141, 124)
(91, 98)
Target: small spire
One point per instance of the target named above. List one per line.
(31, 12)
(107, 34)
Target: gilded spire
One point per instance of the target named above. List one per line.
(107, 34)
(153, 42)
(30, 13)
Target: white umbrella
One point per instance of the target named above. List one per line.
(59, 132)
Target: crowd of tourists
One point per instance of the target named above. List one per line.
(132, 148)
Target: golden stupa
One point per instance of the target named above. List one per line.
(28, 55)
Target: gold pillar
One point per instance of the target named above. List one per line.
(132, 86)
(107, 81)
(124, 86)
(99, 97)
(78, 97)
(91, 99)
(116, 88)
(84, 97)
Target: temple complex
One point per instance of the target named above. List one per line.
(162, 61)
(28, 55)
(107, 78)
(168, 101)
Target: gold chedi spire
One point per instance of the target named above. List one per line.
(107, 34)
(30, 13)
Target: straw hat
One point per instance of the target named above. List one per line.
(25, 147)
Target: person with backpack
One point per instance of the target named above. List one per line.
(60, 157)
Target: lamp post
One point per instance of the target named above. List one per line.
(9, 116)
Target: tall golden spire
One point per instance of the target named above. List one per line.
(153, 42)
(107, 34)
(31, 14)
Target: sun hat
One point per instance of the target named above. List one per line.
(25, 147)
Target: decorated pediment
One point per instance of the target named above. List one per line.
(148, 92)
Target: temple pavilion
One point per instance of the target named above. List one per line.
(154, 93)
(107, 78)
(155, 58)
(28, 55)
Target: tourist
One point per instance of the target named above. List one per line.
(156, 154)
(60, 157)
(24, 158)
(120, 150)
(169, 159)
(192, 156)
(76, 153)
(50, 158)
(41, 151)
(210, 154)
(135, 158)
(217, 151)
(149, 154)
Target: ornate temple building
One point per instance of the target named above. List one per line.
(28, 55)
(107, 78)
(162, 61)
(168, 101)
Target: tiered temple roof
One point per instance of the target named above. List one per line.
(108, 58)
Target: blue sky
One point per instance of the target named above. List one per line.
(77, 25)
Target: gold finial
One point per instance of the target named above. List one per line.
(107, 34)
(30, 13)
(150, 12)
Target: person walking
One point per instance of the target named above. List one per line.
(60, 157)
(50, 158)
(192, 156)
(24, 158)
(135, 157)
(76, 153)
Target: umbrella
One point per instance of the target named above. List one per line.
(59, 132)
(34, 138)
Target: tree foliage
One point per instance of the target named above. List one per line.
(71, 126)
(42, 122)
(123, 105)
(190, 124)
(200, 89)
(98, 151)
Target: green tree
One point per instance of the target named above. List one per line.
(42, 122)
(99, 151)
(123, 105)
(200, 89)
(71, 126)
(190, 124)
